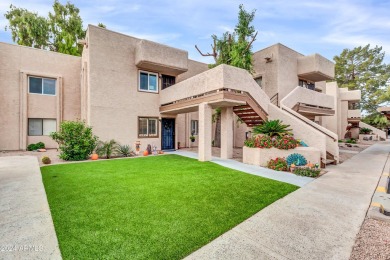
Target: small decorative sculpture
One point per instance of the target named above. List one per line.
(137, 147)
(154, 150)
(149, 149)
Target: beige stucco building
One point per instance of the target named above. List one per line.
(130, 90)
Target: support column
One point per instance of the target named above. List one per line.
(227, 133)
(204, 137)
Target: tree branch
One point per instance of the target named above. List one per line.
(250, 43)
(207, 54)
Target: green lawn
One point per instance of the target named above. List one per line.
(156, 207)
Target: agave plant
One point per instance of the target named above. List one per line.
(124, 150)
(272, 128)
(106, 149)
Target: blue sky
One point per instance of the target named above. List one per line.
(325, 27)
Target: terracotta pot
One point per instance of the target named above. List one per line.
(146, 153)
(94, 156)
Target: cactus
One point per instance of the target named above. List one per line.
(296, 159)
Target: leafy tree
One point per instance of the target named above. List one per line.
(75, 139)
(59, 32)
(235, 49)
(363, 68)
(377, 120)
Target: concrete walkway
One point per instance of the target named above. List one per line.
(253, 169)
(26, 226)
(318, 221)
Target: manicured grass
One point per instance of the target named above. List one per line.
(157, 207)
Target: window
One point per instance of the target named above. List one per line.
(42, 86)
(39, 126)
(148, 81)
(147, 127)
(167, 81)
(194, 127)
(259, 81)
(306, 84)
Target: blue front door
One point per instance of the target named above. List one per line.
(167, 133)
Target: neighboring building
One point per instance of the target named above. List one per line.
(130, 89)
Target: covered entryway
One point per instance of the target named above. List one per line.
(167, 133)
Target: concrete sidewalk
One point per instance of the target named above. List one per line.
(318, 221)
(26, 226)
(253, 169)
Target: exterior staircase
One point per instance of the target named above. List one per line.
(248, 115)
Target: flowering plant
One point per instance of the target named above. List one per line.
(286, 142)
(278, 164)
(263, 141)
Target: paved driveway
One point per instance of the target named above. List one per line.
(26, 226)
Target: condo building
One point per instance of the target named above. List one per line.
(131, 90)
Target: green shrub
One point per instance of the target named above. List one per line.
(278, 164)
(75, 139)
(365, 131)
(351, 141)
(308, 172)
(263, 141)
(286, 142)
(106, 149)
(46, 160)
(124, 150)
(250, 142)
(340, 141)
(33, 147)
(272, 128)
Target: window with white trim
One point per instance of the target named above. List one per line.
(147, 127)
(194, 127)
(41, 126)
(148, 81)
(43, 86)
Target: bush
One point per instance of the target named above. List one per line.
(308, 172)
(351, 141)
(263, 141)
(46, 160)
(33, 147)
(272, 128)
(124, 150)
(250, 142)
(106, 149)
(75, 139)
(365, 131)
(279, 164)
(286, 142)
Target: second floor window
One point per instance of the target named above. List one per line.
(42, 86)
(167, 81)
(148, 81)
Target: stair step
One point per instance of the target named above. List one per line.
(239, 108)
(246, 113)
(250, 117)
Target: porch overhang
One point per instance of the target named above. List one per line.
(310, 110)
(215, 99)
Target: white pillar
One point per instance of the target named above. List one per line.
(204, 137)
(227, 133)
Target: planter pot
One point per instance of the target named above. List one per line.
(94, 156)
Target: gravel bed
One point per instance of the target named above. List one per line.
(373, 241)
